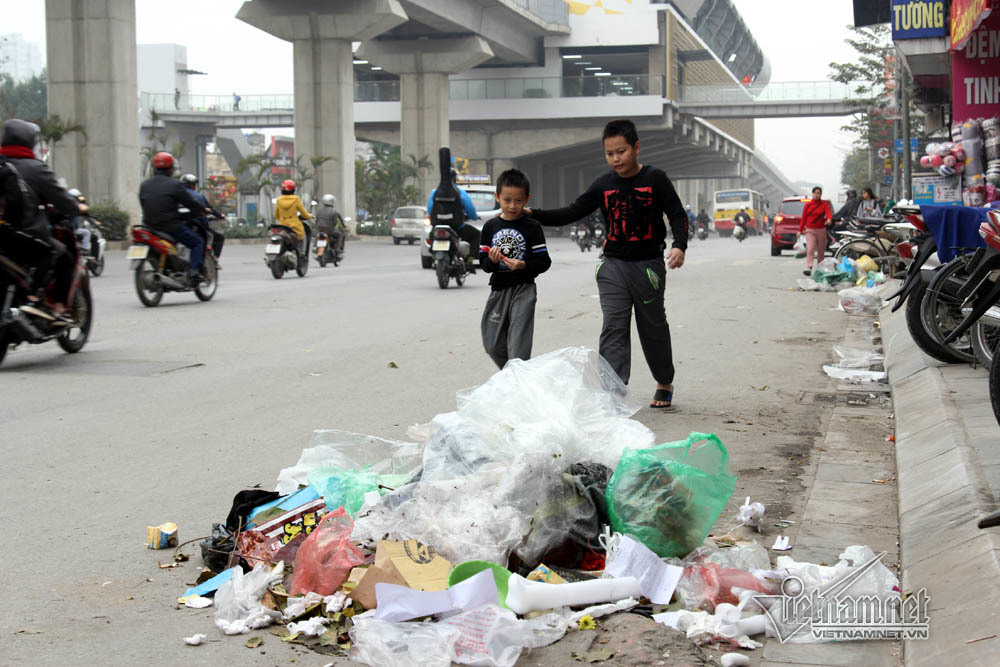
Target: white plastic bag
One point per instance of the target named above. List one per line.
(859, 301)
(852, 357)
(237, 602)
(384, 644)
(858, 375)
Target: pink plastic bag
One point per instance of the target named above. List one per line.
(705, 585)
(327, 556)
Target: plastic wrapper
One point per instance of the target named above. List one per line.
(706, 585)
(237, 602)
(488, 636)
(669, 496)
(852, 357)
(326, 557)
(347, 488)
(350, 451)
(859, 301)
(747, 557)
(569, 522)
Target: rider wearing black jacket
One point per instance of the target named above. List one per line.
(850, 207)
(17, 145)
(160, 197)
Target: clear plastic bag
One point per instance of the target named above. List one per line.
(350, 451)
(384, 644)
(347, 488)
(669, 496)
(859, 301)
(237, 602)
(326, 557)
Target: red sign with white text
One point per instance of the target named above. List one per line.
(965, 17)
(975, 73)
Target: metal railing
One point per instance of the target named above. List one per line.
(556, 87)
(773, 93)
(216, 103)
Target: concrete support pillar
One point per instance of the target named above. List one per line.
(321, 34)
(423, 66)
(91, 60)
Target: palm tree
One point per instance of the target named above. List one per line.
(52, 129)
(259, 167)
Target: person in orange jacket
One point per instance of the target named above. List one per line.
(289, 211)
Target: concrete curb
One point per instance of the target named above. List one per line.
(942, 494)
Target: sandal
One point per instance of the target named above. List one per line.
(661, 396)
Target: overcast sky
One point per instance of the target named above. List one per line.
(800, 37)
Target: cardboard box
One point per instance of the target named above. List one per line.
(409, 564)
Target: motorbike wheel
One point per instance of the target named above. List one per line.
(995, 386)
(206, 290)
(441, 269)
(277, 268)
(918, 333)
(82, 310)
(148, 294)
(941, 310)
(322, 260)
(3, 346)
(985, 338)
(97, 268)
(302, 266)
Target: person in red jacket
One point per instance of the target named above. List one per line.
(816, 215)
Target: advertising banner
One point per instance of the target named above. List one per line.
(914, 19)
(975, 73)
(965, 18)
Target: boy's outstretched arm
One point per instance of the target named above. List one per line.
(584, 205)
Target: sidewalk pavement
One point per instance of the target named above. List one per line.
(852, 501)
(948, 462)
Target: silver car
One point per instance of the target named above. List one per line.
(408, 223)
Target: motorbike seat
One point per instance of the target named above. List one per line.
(157, 232)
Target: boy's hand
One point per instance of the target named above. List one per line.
(495, 255)
(675, 258)
(514, 264)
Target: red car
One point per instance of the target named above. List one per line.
(785, 224)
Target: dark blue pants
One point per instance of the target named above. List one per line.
(193, 241)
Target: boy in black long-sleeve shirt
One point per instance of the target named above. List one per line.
(514, 252)
(634, 199)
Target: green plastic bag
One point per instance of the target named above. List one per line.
(669, 496)
(347, 488)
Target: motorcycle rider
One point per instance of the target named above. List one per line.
(329, 220)
(290, 212)
(692, 218)
(82, 232)
(160, 196)
(218, 238)
(742, 219)
(850, 207)
(17, 145)
(465, 231)
(702, 219)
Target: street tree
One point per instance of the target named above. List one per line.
(384, 181)
(260, 169)
(23, 99)
(53, 129)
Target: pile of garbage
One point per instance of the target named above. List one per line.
(535, 508)
(832, 275)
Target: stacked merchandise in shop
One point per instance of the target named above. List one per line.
(980, 140)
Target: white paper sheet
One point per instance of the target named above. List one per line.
(399, 603)
(657, 580)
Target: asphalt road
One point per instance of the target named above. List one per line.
(169, 411)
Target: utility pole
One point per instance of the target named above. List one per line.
(907, 155)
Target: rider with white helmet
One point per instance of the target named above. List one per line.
(329, 220)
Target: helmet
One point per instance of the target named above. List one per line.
(17, 132)
(163, 160)
(329, 200)
(73, 192)
(189, 179)
(288, 187)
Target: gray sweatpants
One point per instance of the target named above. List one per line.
(509, 323)
(626, 285)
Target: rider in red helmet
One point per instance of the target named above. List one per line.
(160, 197)
(289, 211)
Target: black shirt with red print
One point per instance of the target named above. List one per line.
(633, 208)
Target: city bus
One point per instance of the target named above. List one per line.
(729, 202)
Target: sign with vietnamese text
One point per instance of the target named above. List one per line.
(975, 73)
(935, 189)
(965, 18)
(915, 19)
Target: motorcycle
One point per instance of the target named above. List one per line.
(450, 255)
(739, 231)
(284, 252)
(583, 237)
(18, 327)
(94, 257)
(703, 232)
(326, 250)
(161, 265)
(598, 235)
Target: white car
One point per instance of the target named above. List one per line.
(408, 224)
(483, 199)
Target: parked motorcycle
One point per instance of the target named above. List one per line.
(18, 327)
(285, 253)
(161, 265)
(94, 257)
(326, 250)
(450, 255)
